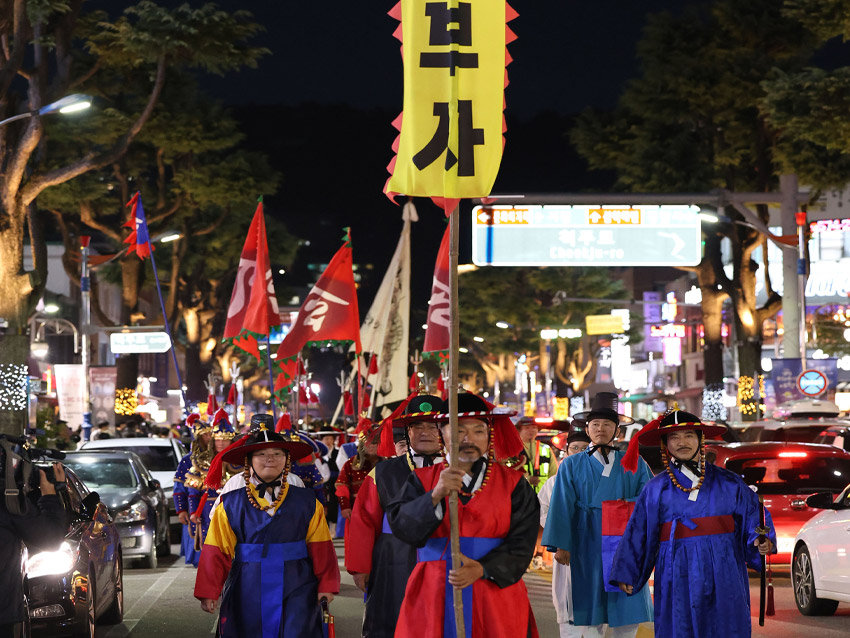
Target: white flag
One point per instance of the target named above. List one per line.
(386, 329)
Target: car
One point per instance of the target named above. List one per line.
(160, 456)
(134, 498)
(802, 421)
(81, 584)
(785, 474)
(820, 573)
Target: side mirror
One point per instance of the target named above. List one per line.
(90, 503)
(154, 484)
(821, 501)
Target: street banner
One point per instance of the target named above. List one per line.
(385, 331)
(69, 391)
(253, 310)
(328, 314)
(102, 380)
(439, 310)
(451, 128)
(786, 371)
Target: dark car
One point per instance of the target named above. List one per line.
(134, 498)
(82, 583)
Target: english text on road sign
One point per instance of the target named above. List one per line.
(139, 342)
(586, 235)
(812, 383)
(604, 324)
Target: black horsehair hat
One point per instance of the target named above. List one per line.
(604, 406)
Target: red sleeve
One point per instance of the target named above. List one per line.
(213, 569)
(325, 566)
(365, 526)
(343, 489)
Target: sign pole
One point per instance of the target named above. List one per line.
(85, 329)
(454, 343)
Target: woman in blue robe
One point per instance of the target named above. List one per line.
(574, 524)
(696, 525)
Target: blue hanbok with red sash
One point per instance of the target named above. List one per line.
(700, 550)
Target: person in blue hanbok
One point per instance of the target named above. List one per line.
(201, 435)
(696, 525)
(574, 525)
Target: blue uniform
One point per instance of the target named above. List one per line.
(181, 504)
(575, 524)
(312, 479)
(700, 550)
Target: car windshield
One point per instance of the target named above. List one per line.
(796, 475)
(157, 458)
(103, 473)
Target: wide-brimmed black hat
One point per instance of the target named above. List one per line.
(604, 406)
(423, 407)
(265, 438)
(677, 420)
(471, 406)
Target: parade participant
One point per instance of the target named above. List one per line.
(696, 525)
(379, 562)
(574, 524)
(201, 497)
(497, 515)
(201, 434)
(575, 442)
(329, 436)
(536, 456)
(357, 468)
(268, 546)
(346, 451)
(309, 471)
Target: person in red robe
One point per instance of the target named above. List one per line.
(498, 514)
(379, 562)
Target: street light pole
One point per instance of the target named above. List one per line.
(68, 104)
(85, 323)
(801, 280)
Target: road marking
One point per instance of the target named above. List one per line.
(147, 600)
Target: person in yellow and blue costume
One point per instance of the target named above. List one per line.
(268, 548)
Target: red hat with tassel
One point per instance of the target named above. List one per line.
(506, 441)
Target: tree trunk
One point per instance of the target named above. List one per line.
(15, 288)
(195, 374)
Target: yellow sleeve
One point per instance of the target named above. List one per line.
(318, 529)
(220, 533)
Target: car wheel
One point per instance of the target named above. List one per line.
(150, 561)
(115, 613)
(86, 627)
(803, 581)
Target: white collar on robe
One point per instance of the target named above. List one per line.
(606, 467)
(693, 478)
(467, 478)
(418, 461)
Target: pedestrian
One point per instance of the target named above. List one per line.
(575, 442)
(202, 434)
(268, 545)
(697, 525)
(574, 524)
(498, 514)
(380, 562)
(537, 458)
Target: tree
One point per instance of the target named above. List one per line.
(54, 48)
(528, 300)
(691, 122)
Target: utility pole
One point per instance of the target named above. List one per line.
(791, 302)
(85, 330)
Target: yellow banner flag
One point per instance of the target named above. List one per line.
(450, 142)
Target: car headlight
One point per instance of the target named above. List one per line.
(52, 563)
(136, 512)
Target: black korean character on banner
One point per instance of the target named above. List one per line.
(468, 138)
(449, 26)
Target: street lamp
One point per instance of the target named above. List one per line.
(67, 104)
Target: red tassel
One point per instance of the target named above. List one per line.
(199, 512)
(373, 364)
(212, 406)
(366, 402)
(302, 395)
(283, 423)
(231, 396)
(348, 409)
(413, 384)
(441, 388)
(386, 448)
(769, 610)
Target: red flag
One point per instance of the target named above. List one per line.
(329, 313)
(253, 307)
(139, 239)
(439, 312)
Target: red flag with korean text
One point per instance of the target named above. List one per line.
(439, 312)
(253, 310)
(329, 313)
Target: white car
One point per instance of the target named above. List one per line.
(820, 571)
(160, 457)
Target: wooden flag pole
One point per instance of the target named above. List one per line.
(454, 343)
